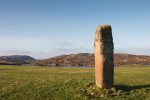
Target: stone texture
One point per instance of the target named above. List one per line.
(104, 57)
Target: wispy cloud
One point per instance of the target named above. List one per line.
(58, 48)
(68, 48)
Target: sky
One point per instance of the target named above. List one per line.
(46, 28)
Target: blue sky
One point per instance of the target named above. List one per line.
(45, 28)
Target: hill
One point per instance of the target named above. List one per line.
(86, 59)
(15, 60)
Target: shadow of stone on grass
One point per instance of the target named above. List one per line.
(128, 88)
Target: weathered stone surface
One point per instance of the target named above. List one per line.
(104, 57)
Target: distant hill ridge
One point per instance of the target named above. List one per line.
(15, 60)
(86, 59)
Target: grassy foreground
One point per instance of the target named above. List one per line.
(40, 83)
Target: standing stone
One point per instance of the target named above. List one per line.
(104, 57)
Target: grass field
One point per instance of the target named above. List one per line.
(51, 83)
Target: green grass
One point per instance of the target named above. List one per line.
(40, 83)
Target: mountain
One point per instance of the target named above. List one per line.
(86, 59)
(15, 60)
(129, 59)
(81, 59)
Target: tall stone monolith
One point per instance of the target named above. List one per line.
(104, 57)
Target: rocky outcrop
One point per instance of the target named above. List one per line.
(129, 59)
(86, 59)
(81, 59)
